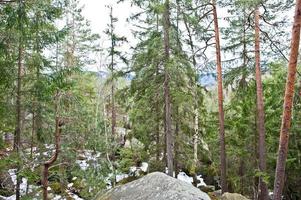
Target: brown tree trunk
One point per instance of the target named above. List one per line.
(32, 132)
(168, 132)
(263, 189)
(241, 173)
(176, 143)
(158, 149)
(112, 73)
(288, 104)
(47, 164)
(113, 109)
(17, 136)
(220, 102)
(157, 133)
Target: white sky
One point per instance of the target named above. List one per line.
(98, 15)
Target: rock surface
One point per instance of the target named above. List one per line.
(6, 184)
(233, 196)
(155, 186)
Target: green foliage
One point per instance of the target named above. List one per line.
(130, 157)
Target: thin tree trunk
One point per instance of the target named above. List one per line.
(17, 136)
(195, 96)
(112, 73)
(241, 173)
(158, 150)
(220, 102)
(47, 164)
(113, 109)
(288, 104)
(157, 130)
(263, 192)
(168, 132)
(176, 148)
(32, 132)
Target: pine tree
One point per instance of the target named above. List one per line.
(220, 103)
(287, 105)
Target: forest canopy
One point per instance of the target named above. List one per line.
(208, 92)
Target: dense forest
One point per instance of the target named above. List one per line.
(206, 91)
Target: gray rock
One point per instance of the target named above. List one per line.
(6, 184)
(155, 186)
(233, 196)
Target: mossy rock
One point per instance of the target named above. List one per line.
(213, 196)
(6, 184)
(5, 192)
(127, 180)
(207, 188)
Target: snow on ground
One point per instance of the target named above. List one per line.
(87, 155)
(23, 185)
(184, 177)
(13, 197)
(82, 164)
(120, 177)
(144, 166)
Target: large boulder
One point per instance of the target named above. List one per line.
(155, 186)
(233, 196)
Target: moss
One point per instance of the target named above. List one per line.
(127, 180)
(56, 187)
(6, 192)
(213, 196)
(78, 184)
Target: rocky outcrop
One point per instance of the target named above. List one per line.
(155, 186)
(233, 196)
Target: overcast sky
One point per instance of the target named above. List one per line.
(98, 14)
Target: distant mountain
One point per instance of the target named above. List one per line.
(207, 79)
(102, 74)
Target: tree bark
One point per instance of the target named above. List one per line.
(32, 132)
(168, 131)
(112, 73)
(47, 164)
(288, 104)
(158, 151)
(17, 136)
(220, 102)
(176, 143)
(263, 192)
(157, 100)
(113, 109)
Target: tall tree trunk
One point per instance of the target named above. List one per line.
(263, 193)
(288, 104)
(112, 74)
(195, 96)
(17, 136)
(158, 150)
(220, 103)
(47, 164)
(168, 132)
(113, 109)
